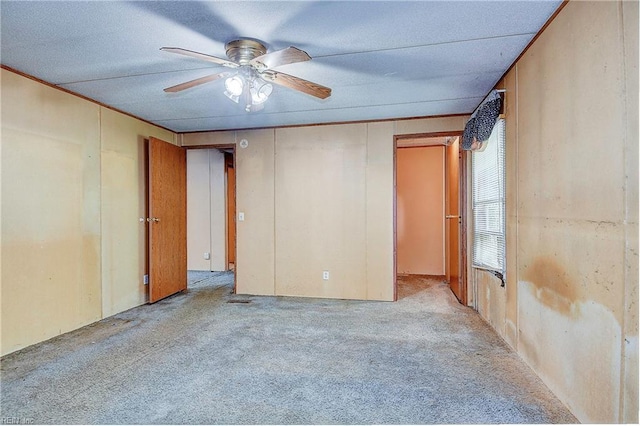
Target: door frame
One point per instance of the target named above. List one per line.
(230, 256)
(231, 146)
(463, 187)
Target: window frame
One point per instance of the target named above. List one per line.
(481, 255)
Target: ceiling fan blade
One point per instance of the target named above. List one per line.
(297, 83)
(290, 55)
(197, 82)
(204, 57)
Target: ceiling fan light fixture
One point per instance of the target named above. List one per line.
(234, 86)
(260, 91)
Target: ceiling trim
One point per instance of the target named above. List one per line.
(332, 123)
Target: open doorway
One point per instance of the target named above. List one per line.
(428, 217)
(230, 189)
(211, 228)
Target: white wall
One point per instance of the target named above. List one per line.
(206, 210)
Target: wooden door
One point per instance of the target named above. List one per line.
(231, 211)
(167, 219)
(453, 221)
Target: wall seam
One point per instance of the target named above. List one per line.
(275, 218)
(102, 283)
(625, 205)
(517, 209)
(210, 186)
(366, 215)
(445, 196)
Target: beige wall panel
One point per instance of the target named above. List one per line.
(255, 259)
(50, 211)
(379, 210)
(509, 83)
(430, 125)
(571, 117)
(208, 138)
(632, 92)
(631, 342)
(124, 194)
(577, 356)
(198, 210)
(122, 233)
(491, 300)
(123, 134)
(569, 302)
(580, 267)
(420, 210)
(45, 111)
(51, 264)
(572, 209)
(320, 211)
(630, 385)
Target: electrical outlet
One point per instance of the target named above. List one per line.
(207, 256)
(145, 279)
(325, 275)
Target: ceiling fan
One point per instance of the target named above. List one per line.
(252, 73)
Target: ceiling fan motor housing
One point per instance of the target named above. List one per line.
(242, 51)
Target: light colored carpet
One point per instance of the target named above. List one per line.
(196, 358)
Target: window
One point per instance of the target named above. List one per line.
(488, 203)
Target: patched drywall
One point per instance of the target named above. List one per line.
(570, 303)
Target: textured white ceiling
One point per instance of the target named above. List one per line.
(383, 60)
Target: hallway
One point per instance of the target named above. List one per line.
(207, 356)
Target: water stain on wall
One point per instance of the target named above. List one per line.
(555, 287)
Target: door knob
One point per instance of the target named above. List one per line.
(451, 216)
(153, 219)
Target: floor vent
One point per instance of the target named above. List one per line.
(238, 301)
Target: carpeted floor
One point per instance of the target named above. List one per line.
(206, 356)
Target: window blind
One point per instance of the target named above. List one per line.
(488, 202)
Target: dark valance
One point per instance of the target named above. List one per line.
(480, 125)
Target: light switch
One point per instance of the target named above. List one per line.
(241, 216)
